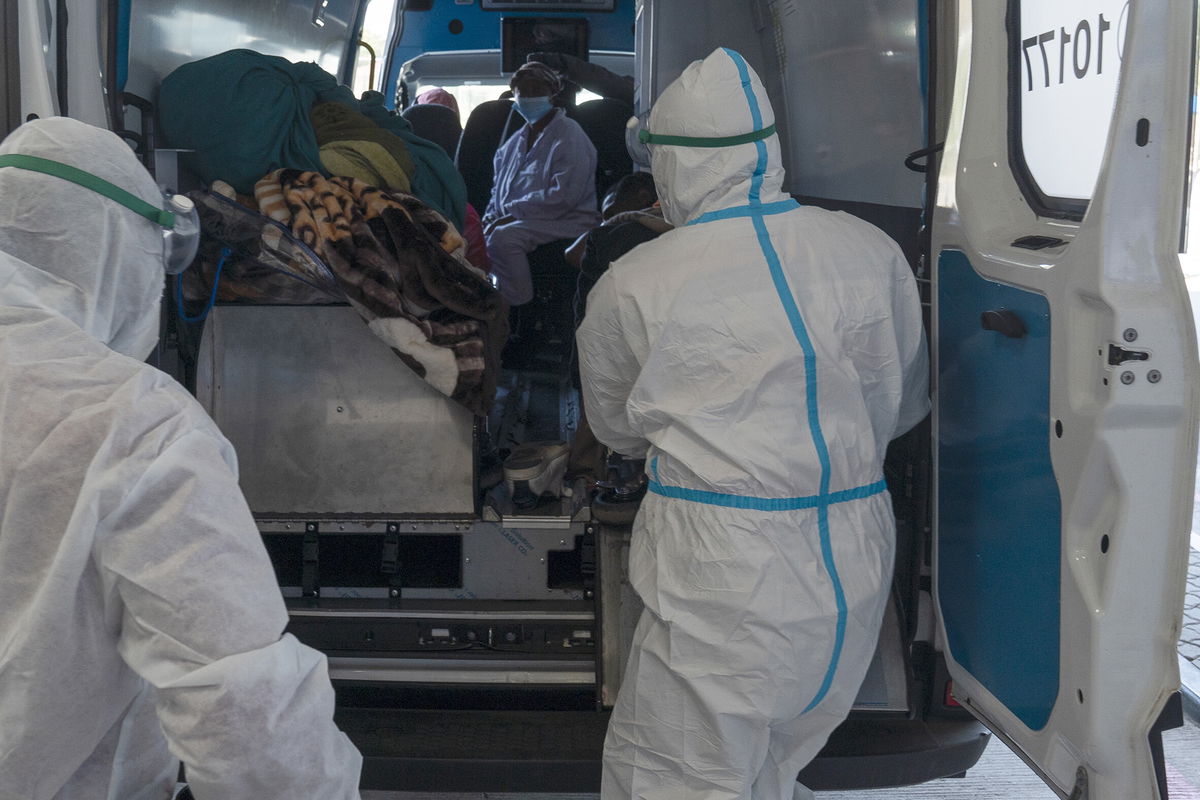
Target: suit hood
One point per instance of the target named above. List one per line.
(73, 252)
(718, 97)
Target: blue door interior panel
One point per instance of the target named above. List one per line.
(122, 43)
(999, 510)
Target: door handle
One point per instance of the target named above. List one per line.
(1003, 321)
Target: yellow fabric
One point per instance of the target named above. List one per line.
(370, 162)
(334, 122)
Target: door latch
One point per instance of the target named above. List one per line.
(1003, 321)
(1118, 355)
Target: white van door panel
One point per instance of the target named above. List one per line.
(1066, 383)
(852, 94)
(86, 32)
(164, 34)
(38, 95)
(673, 33)
(81, 58)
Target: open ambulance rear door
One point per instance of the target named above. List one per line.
(1066, 382)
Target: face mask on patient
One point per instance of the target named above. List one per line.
(533, 108)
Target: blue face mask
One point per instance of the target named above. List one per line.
(534, 108)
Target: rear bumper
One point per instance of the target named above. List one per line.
(877, 753)
(560, 751)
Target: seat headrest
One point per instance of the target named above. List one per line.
(436, 123)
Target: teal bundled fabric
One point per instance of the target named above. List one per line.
(246, 114)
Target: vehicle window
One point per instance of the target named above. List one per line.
(377, 28)
(1065, 60)
(470, 93)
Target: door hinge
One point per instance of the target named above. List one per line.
(391, 565)
(310, 583)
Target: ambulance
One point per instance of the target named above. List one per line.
(1032, 159)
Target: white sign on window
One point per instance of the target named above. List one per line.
(1069, 62)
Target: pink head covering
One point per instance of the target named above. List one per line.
(438, 96)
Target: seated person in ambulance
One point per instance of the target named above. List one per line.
(545, 184)
(140, 620)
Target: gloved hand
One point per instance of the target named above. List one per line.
(559, 62)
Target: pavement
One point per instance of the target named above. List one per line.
(1189, 640)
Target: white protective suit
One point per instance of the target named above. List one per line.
(762, 355)
(140, 622)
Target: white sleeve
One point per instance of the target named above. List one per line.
(247, 709)
(609, 368)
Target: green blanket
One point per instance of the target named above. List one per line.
(246, 114)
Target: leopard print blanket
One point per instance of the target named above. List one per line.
(403, 267)
(399, 263)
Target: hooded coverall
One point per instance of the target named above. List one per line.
(140, 620)
(761, 356)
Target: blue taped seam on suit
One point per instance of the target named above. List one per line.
(810, 374)
(737, 212)
(760, 169)
(814, 424)
(751, 503)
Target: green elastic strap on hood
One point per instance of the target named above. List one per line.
(158, 216)
(706, 141)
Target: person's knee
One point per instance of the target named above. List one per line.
(507, 239)
(507, 250)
